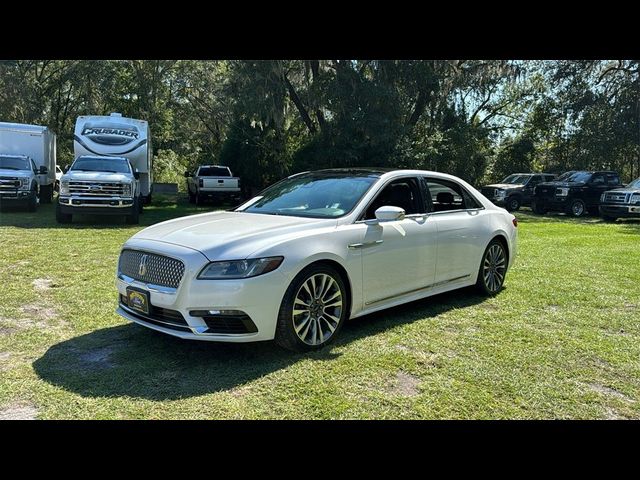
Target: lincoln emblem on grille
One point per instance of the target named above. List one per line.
(142, 269)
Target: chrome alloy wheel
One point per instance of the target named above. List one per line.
(317, 309)
(577, 209)
(494, 268)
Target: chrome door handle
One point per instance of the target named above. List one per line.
(367, 244)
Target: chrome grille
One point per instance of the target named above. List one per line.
(96, 188)
(160, 270)
(9, 183)
(615, 197)
(488, 192)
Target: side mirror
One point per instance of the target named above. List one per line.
(136, 174)
(387, 213)
(187, 174)
(43, 170)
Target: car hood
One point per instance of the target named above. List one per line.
(14, 173)
(98, 176)
(504, 186)
(230, 235)
(624, 190)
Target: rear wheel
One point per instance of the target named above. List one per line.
(576, 208)
(313, 309)
(62, 217)
(538, 207)
(493, 268)
(46, 193)
(192, 197)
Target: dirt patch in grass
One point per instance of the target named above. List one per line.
(612, 414)
(38, 312)
(43, 284)
(610, 392)
(405, 385)
(19, 412)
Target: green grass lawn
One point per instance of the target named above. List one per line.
(562, 340)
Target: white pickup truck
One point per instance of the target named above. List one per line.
(97, 185)
(20, 181)
(212, 181)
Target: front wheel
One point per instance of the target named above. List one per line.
(62, 217)
(576, 208)
(513, 204)
(32, 203)
(493, 269)
(313, 309)
(134, 217)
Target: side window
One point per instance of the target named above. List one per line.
(536, 179)
(448, 196)
(598, 179)
(613, 179)
(403, 193)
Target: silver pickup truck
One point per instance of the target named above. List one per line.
(19, 181)
(212, 181)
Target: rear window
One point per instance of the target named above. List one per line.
(613, 179)
(214, 172)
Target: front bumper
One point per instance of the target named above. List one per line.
(553, 203)
(620, 211)
(259, 298)
(96, 205)
(15, 195)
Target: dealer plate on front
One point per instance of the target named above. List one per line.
(138, 299)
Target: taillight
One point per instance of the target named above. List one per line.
(514, 221)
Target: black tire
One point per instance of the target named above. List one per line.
(491, 270)
(513, 204)
(147, 200)
(286, 335)
(538, 208)
(32, 202)
(192, 197)
(62, 217)
(134, 218)
(198, 200)
(57, 186)
(576, 208)
(140, 207)
(46, 194)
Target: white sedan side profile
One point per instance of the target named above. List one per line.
(311, 251)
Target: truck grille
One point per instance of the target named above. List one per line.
(157, 270)
(9, 183)
(615, 197)
(488, 192)
(96, 188)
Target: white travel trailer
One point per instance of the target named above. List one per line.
(37, 143)
(117, 136)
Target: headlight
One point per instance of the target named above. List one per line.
(635, 198)
(24, 183)
(500, 193)
(602, 198)
(64, 187)
(231, 269)
(126, 190)
(562, 192)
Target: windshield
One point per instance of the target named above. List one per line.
(97, 164)
(213, 172)
(14, 163)
(317, 195)
(574, 177)
(516, 179)
(634, 184)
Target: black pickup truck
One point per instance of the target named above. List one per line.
(621, 202)
(516, 190)
(575, 192)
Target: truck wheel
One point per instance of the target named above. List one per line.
(147, 199)
(46, 193)
(134, 218)
(513, 204)
(538, 208)
(198, 200)
(140, 206)
(192, 198)
(576, 208)
(32, 203)
(62, 217)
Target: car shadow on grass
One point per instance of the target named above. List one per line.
(133, 361)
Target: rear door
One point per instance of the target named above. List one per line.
(597, 186)
(456, 215)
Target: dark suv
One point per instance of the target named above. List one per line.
(516, 190)
(575, 192)
(621, 202)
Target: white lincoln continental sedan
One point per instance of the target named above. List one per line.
(311, 251)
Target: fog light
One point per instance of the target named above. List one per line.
(206, 313)
(75, 202)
